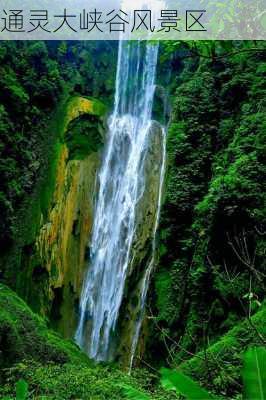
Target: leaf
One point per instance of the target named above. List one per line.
(254, 374)
(21, 390)
(168, 385)
(184, 385)
(134, 394)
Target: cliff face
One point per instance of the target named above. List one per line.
(63, 237)
(55, 260)
(142, 248)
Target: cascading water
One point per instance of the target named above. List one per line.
(121, 186)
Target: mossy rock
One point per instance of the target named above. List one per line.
(77, 106)
(55, 368)
(25, 335)
(84, 136)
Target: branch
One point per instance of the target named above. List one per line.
(243, 256)
(261, 233)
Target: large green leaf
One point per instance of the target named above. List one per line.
(173, 379)
(21, 390)
(254, 374)
(134, 394)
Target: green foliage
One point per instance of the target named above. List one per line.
(21, 390)
(83, 137)
(175, 380)
(184, 385)
(214, 208)
(134, 394)
(218, 367)
(71, 381)
(37, 84)
(24, 335)
(214, 201)
(81, 381)
(163, 285)
(254, 373)
(49, 183)
(52, 366)
(35, 77)
(253, 376)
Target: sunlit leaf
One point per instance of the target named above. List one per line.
(254, 374)
(134, 394)
(184, 385)
(21, 390)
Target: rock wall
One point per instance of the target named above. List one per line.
(56, 267)
(63, 239)
(142, 248)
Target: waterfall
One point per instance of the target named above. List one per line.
(121, 187)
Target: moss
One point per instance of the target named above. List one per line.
(81, 145)
(83, 137)
(84, 382)
(72, 381)
(77, 106)
(163, 287)
(54, 272)
(48, 187)
(24, 335)
(52, 366)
